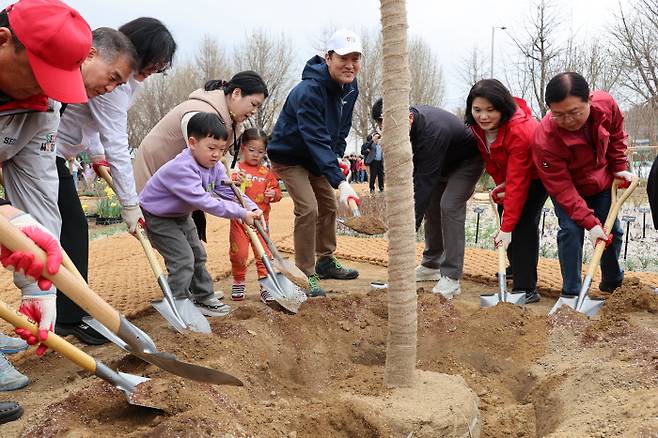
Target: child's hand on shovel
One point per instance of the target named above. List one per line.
(253, 216)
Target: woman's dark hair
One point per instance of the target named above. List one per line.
(377, 109)
(564, 85)
(249, 82)
(4, 22)
(203, 125)
(154, 43)
(252, 134)
(495, 92)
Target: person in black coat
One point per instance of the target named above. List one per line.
(447, 166)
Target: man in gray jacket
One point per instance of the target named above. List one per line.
(42, 46)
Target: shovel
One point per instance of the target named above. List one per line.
(128, 383)
(284, 266)
(503, 296)
(138, 342)
(369, 225)
(181, 313)
(583, 303)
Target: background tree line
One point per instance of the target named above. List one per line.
(621, 60)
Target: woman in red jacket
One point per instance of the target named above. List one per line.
(579, 148)
(504, 128)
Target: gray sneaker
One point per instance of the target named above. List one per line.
(9, 345)
(10, 378)
(212, 306)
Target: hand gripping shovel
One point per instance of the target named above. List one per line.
(286, 267)
(283, 290)
(109, 322)
(181, 313)
(362, 224)
(503, 296)
(583, 303)
(128, 383)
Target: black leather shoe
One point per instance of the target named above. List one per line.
(329, 267)
(606, 286)
(10, 411)
(81, 331)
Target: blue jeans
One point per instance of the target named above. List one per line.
(570, 238)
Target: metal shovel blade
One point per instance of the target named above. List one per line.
(126, 383)
(590, 306)
(168, 361)
(188, 312)
(564, 300)
(284, 291)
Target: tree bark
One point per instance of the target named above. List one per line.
(402, 319)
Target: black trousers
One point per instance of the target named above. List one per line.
(523, 252)
(74, 239)
(377, 171)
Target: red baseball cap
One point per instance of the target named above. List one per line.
(57, 40)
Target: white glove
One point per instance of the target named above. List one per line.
(502, 238)
(626, 176)
(346, 192)
(42, 308)
(132, 215)
(597, 233)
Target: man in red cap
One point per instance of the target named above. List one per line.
(43, 44)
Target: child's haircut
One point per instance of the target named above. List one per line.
(254, 134)
(203, 125)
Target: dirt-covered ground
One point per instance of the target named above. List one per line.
(535, 376)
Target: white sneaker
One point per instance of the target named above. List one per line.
(447, 287)
(427, 274)
(212, 306)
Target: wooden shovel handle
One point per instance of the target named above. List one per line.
(53, 342)
(615, 205)
(139, 233)
(67, 282)
(247, 229)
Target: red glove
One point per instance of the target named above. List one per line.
(498, 190)
(345, 168)
(97, 164)
(26, 264)
(43, 310)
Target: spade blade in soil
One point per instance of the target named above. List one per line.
(284, 291)
(187, 311)
(588, 305)
(126, 383)
(168, 361)
(369, 225)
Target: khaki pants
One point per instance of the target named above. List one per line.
(315, 215)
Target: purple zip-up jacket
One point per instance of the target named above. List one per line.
(182, 185)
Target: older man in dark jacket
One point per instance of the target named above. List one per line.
(447, 165)
(307, 140)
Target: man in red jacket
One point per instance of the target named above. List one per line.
(579, 149)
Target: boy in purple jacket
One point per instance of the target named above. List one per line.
(192, 181)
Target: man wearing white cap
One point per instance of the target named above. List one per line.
(307, 140)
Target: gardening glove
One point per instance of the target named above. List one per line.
(345, 168)
(25, 263)
(132, 215)
(42, 309)
(598, 233)
(626, 176)
(346, 192)
(498, 193)
(502, 238)
(97, 162)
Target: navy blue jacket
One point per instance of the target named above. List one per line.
(314, 123)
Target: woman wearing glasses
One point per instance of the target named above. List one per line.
(504, 129)
(578, 150)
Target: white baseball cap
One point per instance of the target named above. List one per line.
(344, 41)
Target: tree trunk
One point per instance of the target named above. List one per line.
(402, 320)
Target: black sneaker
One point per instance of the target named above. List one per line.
(81, 331)
(10, 411)
(532, 297)
(329, 267)
(314, 289)
(607, 286)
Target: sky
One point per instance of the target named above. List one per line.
(451, 27)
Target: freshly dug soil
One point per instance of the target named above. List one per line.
(304, 374)
(370, 225)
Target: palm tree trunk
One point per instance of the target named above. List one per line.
(402, 320)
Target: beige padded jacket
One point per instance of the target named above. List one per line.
(166, 140)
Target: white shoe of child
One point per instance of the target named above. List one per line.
(447, 287)
(212, 306)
